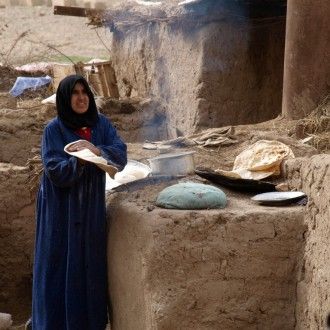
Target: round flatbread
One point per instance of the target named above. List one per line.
(262, 156)
(259, 160)
(88, 156)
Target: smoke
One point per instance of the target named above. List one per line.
(127, 16)
(240, 9)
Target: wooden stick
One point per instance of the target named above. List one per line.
(75, 11)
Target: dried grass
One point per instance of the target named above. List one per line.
(317, 126)
(129, 16)
(6, 56)
(35, 170)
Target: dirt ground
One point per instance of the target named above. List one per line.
(25, 33)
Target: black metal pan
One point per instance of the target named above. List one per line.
(246, 185)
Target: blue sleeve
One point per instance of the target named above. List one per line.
(62, 169)
(114, 150)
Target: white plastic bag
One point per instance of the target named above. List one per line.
(23, 83)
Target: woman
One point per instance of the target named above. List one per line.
(70, 275)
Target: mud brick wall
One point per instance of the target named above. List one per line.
(20, 132)
(313, 296)
(206, 75)
(16, 241)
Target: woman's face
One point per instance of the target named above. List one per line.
(79, 99)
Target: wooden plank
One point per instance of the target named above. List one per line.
(103, 80)
(111, 80)
(75, 11)
(94, 81)
(94, 63)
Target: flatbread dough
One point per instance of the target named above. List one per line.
(133, 170)
(88, 156)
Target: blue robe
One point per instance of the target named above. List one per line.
(70, 271)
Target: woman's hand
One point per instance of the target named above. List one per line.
(83, 144)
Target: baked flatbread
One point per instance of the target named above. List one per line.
(259, 160)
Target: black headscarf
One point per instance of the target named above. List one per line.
(65, 112)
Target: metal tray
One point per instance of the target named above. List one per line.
(279, 197)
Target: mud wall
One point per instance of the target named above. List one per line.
(154, 61)
(16, 241)
(216, 74)
(228, 269)
(313, 293)
(21, 131)
(16, 126)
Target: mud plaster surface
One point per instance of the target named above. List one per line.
(213, 269)
(16, 241)
(313, 303)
